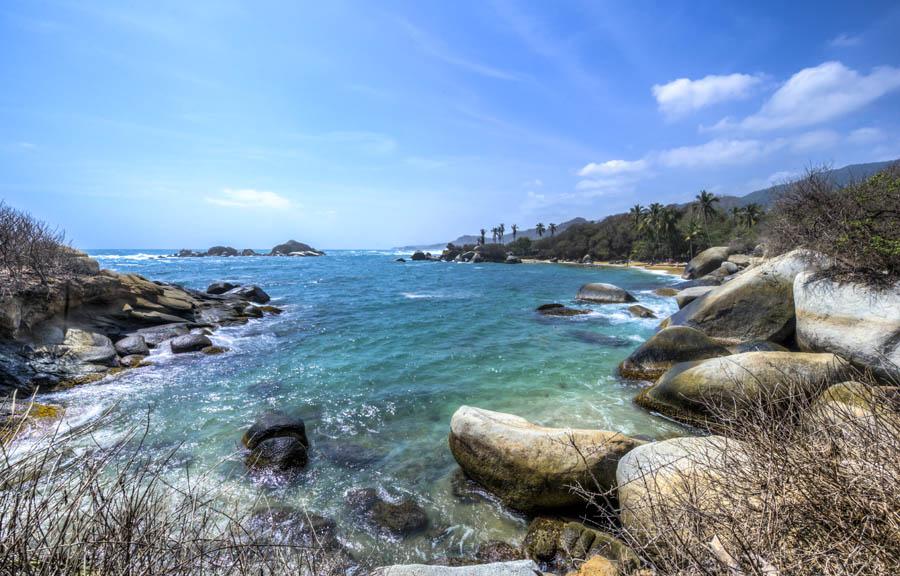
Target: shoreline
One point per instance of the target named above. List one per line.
(667, 269)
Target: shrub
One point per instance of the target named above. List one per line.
(30, 250)
(857, 227)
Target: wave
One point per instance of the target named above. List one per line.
(138, 256)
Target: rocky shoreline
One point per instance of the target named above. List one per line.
(289, 248)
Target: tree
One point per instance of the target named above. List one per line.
(752, 214)
(736, 214)
(494, 235)
(693, 232)
(652, 225)
(483, 231)
(500, 230)
(514, 229)
(705, 202)
(637, 214)
(552, 228)
(668, 226)
(539, 228)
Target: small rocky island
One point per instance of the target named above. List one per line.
(289, 248)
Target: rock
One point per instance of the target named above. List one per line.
(477, 258)
(250, 292)
(758, 346)
(132, 345)
(705, 262)
(666, 291)
(756, 305)
(855, 402)
(559, 310)
(248, 252)
(400, 260)
(275, 310)
(705, 281)
(398, 518)
(641, 311)
(532, 467)
(156, 335)
(134, 361)
(467, 256)
(492, 252)
(221, 251)
(741, 260)
(597, 566)
(189, 343)
(274, 424)
(558, 545)
(650, 476)
(586, 259)
(516, 568)
(220, 287)
(688, 295)
(294, 248)
(668, 347)
(185, 253)
(287, 526)
(418, 255)
(497, 551)
(728, 268)
(214, 350)
(513, 260)
(688, 390)
(281, 454)
(859, 323)
(600, 293)
(90, 347)
(16, 417)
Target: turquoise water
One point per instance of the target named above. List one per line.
(376, 356)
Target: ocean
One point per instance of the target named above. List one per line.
(376, 356)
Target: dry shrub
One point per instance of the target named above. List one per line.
(797, 488)
(857, 227)
(66, 509)
(31, 251)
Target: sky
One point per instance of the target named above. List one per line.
(172, 124)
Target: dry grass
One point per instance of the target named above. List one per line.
(798, 490)
(71, 506)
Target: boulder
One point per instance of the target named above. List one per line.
(401, 260)
(601, 293)
(274, 424)
(652, 476)
(498, 551)
(132, 345)
(221, 251)
(757, 305)
(418, 256)
(691, 391)
(559, 310)
(89, 347)
(515, 568)
(401, 518)
(477, 258)
(757, 346)
(705, 281)
(189, 343)
(859, 323)
(214, 350)
(248, 252)
(220, 287)
(741, 260)
(558, 546)
(641, 311)
(133, 361)
(668, 347)
(532, 467)
(855, 402)
(279, 454)
(294, 248)
(666, 291)
(705, 262)
(597, 566)
(250, 292)
(467, 256)
(156, 335)
(510, 259)
(688, 295)
(586, 259)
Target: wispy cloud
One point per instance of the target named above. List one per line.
(818, 94)
(683, 96)
(866, 135)
(845, 40)
(613, 167)
(249, 198)
(437, 49)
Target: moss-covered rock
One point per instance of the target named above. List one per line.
(666, 348)
(558, 545)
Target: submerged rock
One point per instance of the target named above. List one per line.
(532, 467)
(668, 347)
(401, 518)
(287, 526)
(274, 424)
(559, 310)
(706, 261)
(280, 454)
(220, 287)
(601, 293)
(189, 343)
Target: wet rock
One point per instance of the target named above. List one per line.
(287, 526)
(666, 291)
(513, 259)
(220, 287)
(641, 311)
(134, 361)
(400, 260)
(559, 310)
(189, 343)
(214, 350)
(294, 248)
(668, 347)
(498, 551)
(275, 310)
(280, 454)
(132, 345)
(401, 518)
(222, 251)
(156, 335)
(248, 252)
(274, 424)
(250, 292)
(601, 293)
(558, 545)
(90, 347)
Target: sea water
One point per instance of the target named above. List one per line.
(376, 355)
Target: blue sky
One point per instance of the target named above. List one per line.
(376, 124)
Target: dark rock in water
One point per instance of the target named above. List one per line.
(419, 256)
(400, 519)
(280, 454)
(400, 260)
(667, 348)
(271, 309)
(248, 252)
(498, 551)
(252, 312)
(287, 526)
(250, 292)
(156, 335)
(274, 425)
(601, 293)
(641, 311)
(221, 251)
(220, 287)
(132, 345)
(189, 343)
(214, 350)
(560, 546)
(559, 310)
(349, 456)
(466, 490)
(185, 253)
(294, 248)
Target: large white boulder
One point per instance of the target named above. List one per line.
(706, 261)
(860, 323)
(601, 293)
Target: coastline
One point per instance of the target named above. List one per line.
(667, 269)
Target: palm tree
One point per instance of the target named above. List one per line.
(705, 201)
(514, 229)
(539, 229)
(483, 231)
(736, 214)
(552, 228)
(637, 213)
(494, 235)
(500, 230)
(693, 232)
(652, 224)
(668, 226)
(752, 213)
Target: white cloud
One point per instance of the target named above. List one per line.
(613, 167)
(717, 152)
(845, 40)
(248, 198)
(814, 140)
(818, 94)
(866, 135)
(682, 96)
